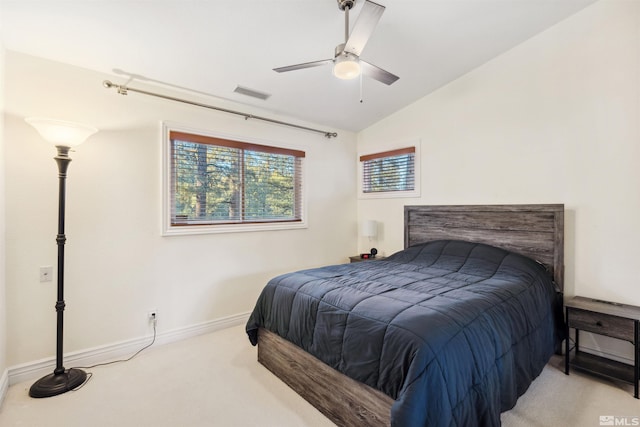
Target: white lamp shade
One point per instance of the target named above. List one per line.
(369, 228)
(346, 67)
(61, 133)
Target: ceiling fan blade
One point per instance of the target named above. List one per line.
(364, 26)
(377, 73)
(305, 65)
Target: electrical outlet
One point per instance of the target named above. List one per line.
(46, 274)
(152, 315)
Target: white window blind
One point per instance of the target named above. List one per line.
(389, 171)
(220, 181)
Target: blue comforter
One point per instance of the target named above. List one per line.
(453, 331)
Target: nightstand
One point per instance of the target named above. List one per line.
(356, 258)
(614, 320)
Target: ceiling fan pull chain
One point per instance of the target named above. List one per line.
(360, 88)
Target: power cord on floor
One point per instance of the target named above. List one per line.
(89, 374)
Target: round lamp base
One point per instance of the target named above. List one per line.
(54, 384)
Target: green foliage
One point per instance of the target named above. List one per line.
(221, 184)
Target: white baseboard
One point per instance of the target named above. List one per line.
(34, 370)
(4, 385)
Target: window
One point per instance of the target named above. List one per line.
(216, 184)
(387, 172)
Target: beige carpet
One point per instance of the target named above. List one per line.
(214, 380)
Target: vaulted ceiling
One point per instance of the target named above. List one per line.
(211, 47)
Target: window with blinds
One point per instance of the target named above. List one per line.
(389, 171)
(215, 181)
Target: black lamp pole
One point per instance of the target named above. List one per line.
(61, 380)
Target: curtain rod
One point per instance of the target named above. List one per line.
(123, 90)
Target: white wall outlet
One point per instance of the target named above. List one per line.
(152, 315)
(46, 273)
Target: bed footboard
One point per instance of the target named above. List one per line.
(344, 401)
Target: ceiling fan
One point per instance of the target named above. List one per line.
(346, 61)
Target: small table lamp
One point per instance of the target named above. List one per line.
(369, 228)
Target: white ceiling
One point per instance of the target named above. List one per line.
(213, 46)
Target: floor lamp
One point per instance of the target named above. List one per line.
(64, 135)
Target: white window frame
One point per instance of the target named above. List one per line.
(391, 194)
(176, 230)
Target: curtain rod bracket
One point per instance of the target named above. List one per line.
(121, 89)
(124, 90)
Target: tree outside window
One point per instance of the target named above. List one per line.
(218, 181)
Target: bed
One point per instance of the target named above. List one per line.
(449, 331)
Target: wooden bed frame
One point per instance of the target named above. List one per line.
(536, 231)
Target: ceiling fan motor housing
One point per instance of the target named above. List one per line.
(340, 50)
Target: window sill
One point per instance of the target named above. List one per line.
(389, 194)
(186, 230)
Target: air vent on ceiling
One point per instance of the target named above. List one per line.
(250, 92)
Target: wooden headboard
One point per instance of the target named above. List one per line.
(536, 231)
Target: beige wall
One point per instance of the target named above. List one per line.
(554, 120)
(3, 303)
(118, 265)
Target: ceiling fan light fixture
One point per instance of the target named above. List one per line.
(346, 67)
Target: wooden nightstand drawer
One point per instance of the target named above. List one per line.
(602, 324)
